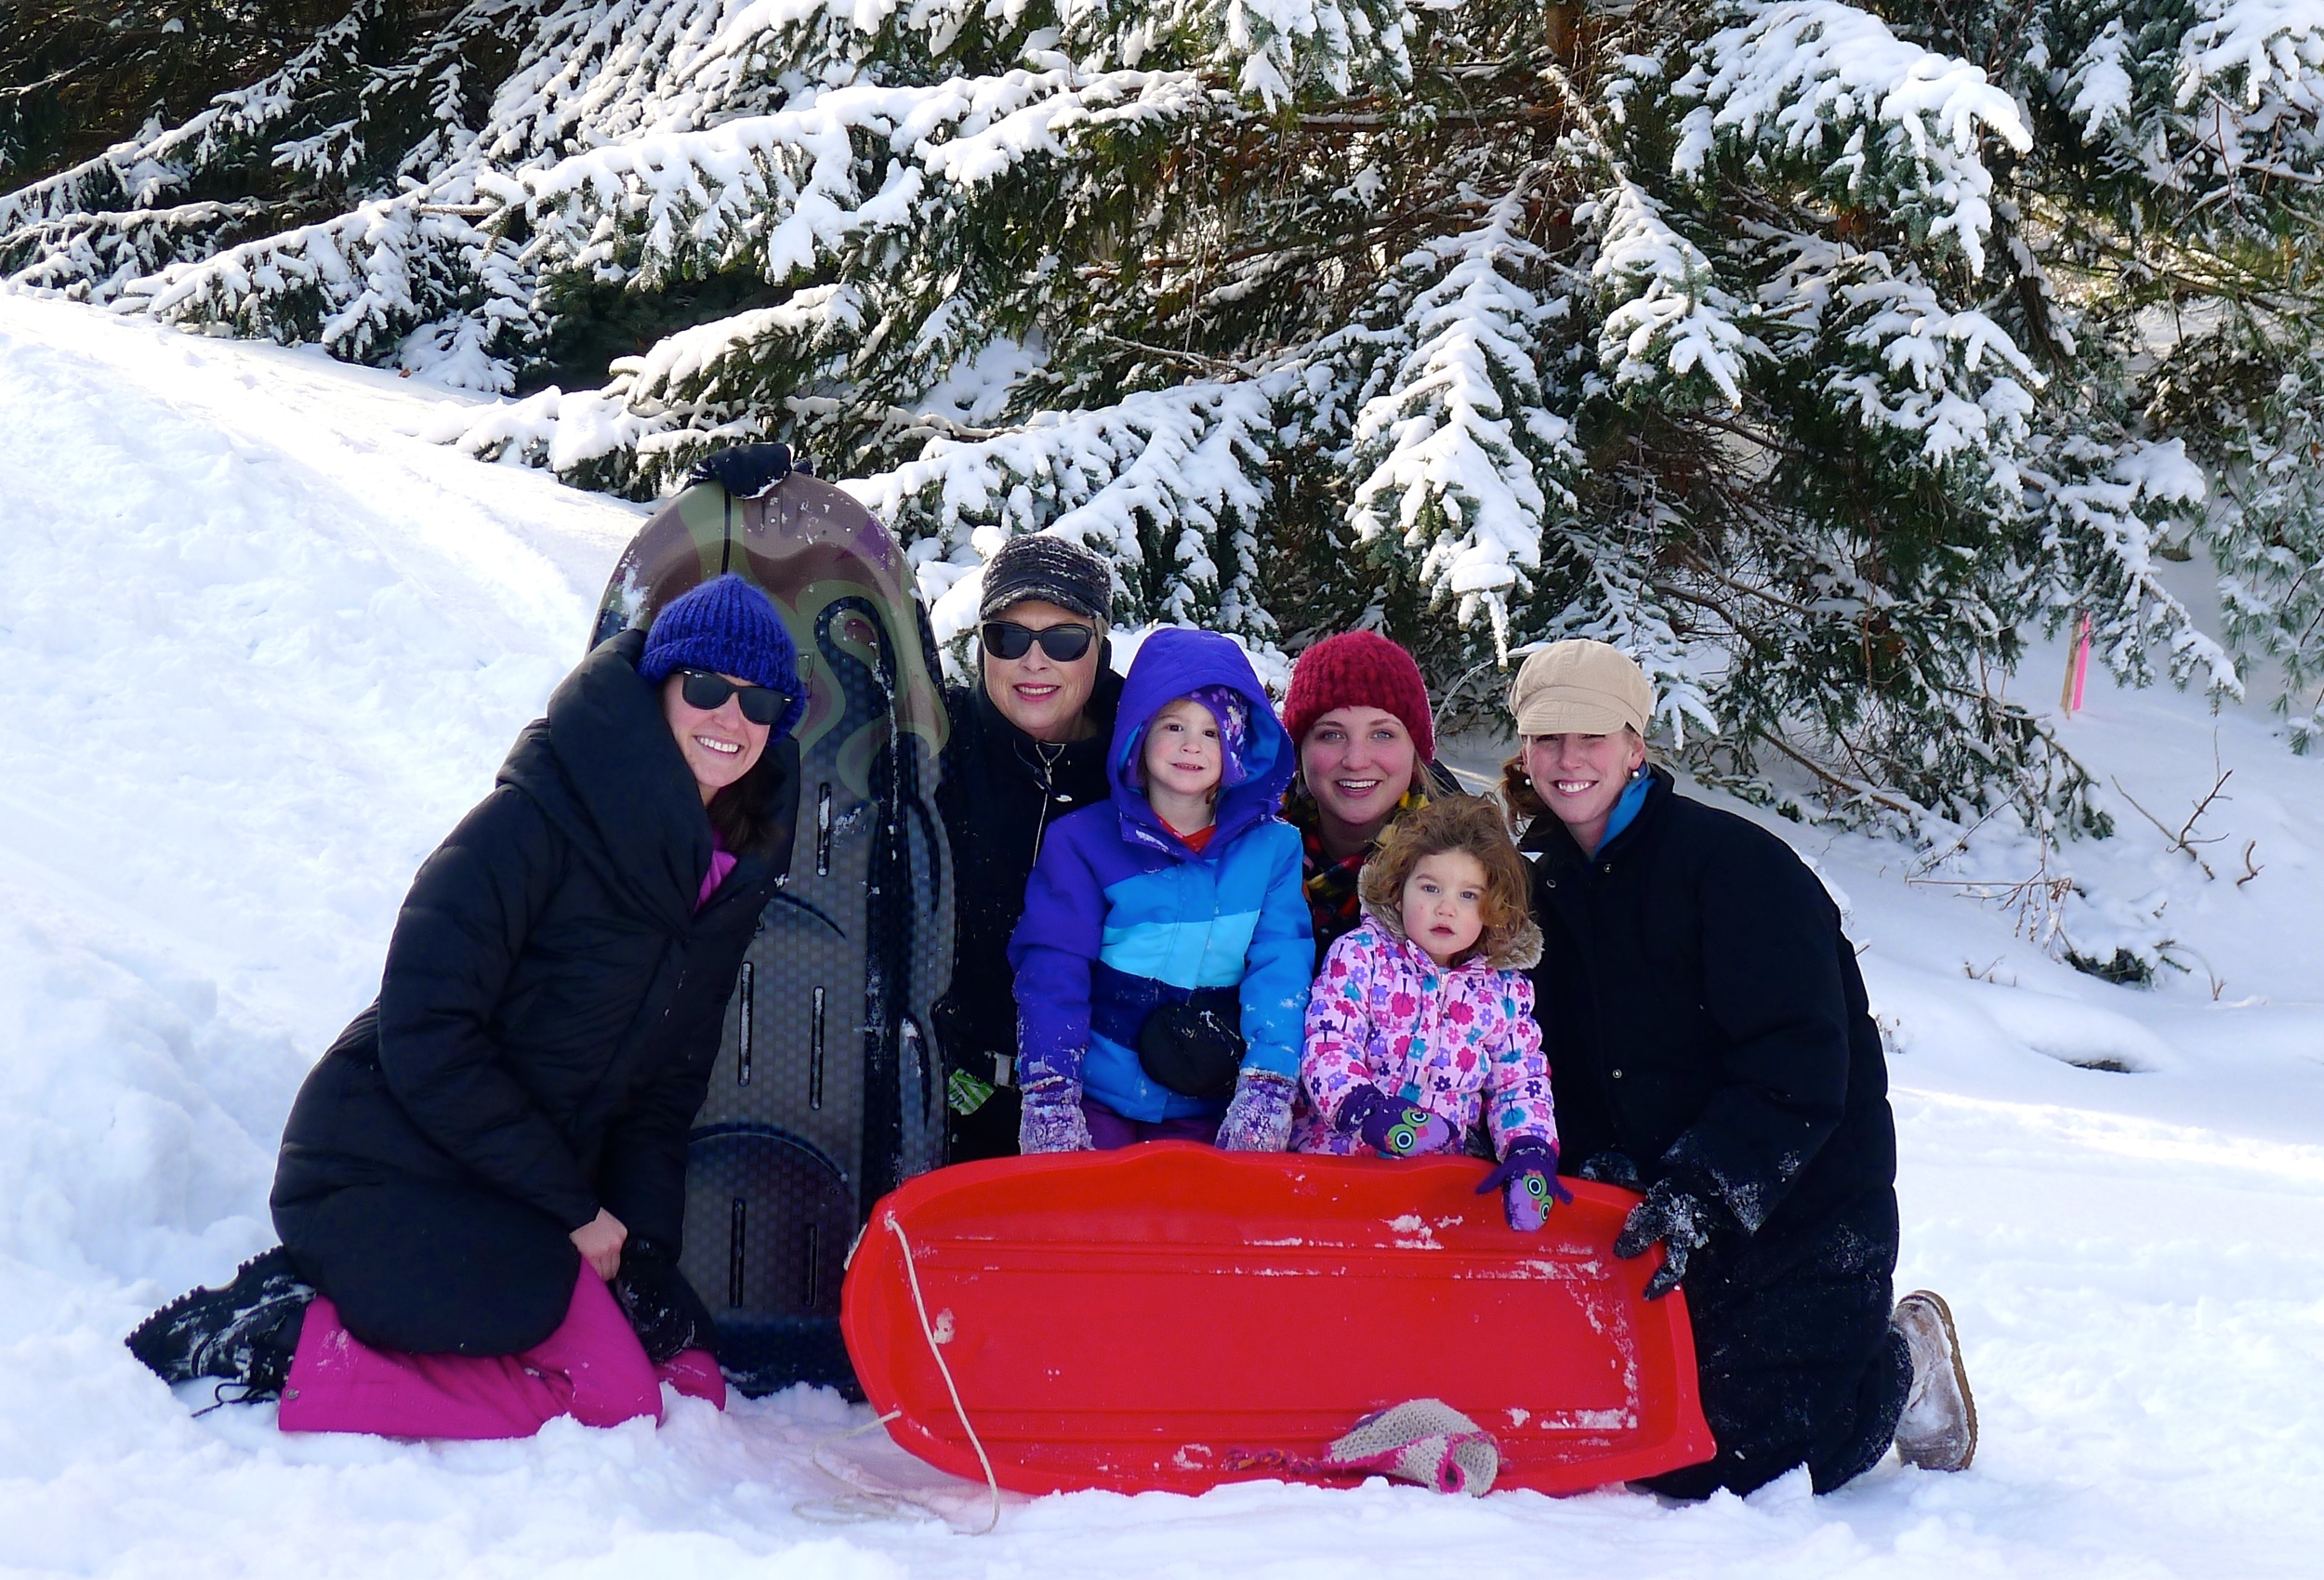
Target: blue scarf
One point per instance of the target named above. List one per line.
(1633, 797)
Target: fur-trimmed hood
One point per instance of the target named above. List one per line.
(1506, 949)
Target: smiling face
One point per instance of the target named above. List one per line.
(719, 745)
(1358, 763)
(1040, 696)
(1444, 904)
(1580, 777)
(1182, 760)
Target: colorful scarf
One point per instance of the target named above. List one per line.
(1333, 906)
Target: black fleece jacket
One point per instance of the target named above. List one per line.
(1000, 791)
(1705, 1018)
(552, 1001)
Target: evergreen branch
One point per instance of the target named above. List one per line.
(1853, 789)
(1191, 359)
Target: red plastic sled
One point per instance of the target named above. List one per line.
(1144, 1319)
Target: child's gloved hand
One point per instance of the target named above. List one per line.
(1259, 1119)
(1528, 1177)
(1390, 1126)
(1051, 1120)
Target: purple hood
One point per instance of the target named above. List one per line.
(1170, 663)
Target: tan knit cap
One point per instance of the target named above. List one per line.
(1580, 688)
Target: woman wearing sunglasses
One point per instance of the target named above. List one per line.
(482, 1183)
(1027, 747)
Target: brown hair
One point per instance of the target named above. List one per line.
(744, 814)
(1471, 826)
(1517, 792)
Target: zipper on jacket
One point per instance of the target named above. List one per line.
(1045, 772)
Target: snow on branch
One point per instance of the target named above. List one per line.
(138, 174)
(1666, 315)
(1457, 443)
(2264, 46)
(1271, 49)
(356, 283)
(1166, 487)
(2106, 505)
(1621, 603)
(1282, 43)
(2216, 115)
(791, 187)
(1892, 353)
(93, 256)
(1815, 80)
(691, 392)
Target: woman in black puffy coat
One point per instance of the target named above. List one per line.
(502, 1135)
(1712, 1048)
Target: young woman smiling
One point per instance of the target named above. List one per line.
(1714, 1050)
(1028, 748)
(481, 1184)
(1358, 711)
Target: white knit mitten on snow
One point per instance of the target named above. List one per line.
(1422, 1440)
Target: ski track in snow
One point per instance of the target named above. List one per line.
(264, 649)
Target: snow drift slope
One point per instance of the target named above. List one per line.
(261, 651)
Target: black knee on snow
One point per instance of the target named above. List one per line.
(432, 1268)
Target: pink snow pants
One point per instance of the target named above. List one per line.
(591, 1368)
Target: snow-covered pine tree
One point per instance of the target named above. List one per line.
(1811, 351)
(76, 76)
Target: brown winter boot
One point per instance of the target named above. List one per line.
(1938, 1428)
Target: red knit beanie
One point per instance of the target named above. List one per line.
(1359, 670)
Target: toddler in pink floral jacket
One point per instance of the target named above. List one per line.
(1420, 1036)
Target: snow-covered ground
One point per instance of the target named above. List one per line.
(260, 649)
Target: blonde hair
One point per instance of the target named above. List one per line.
(1470, 825)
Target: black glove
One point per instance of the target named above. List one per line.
(1611, 1167)
(663, 1308)
(1680, 1221)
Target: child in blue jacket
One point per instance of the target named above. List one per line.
(1165, 931)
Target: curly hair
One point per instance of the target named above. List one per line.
(1472, 825)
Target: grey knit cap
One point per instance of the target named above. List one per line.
(1053, 570)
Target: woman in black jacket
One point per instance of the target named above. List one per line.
(503, 1133)
(1027, 747)
(1713, 1049)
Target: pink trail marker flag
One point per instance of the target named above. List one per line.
(2077, 666)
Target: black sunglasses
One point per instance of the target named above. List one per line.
(1006, 638)
(708, 691)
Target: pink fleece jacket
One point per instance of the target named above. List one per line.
(1462, 1043)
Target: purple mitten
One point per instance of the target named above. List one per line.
(1051, 1120)
(1258, 1120)
(1528, 1173)
(1390, 1126)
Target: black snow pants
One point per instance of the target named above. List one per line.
(432, 1267)
(1797, 1360)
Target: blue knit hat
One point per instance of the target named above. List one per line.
(729, 626)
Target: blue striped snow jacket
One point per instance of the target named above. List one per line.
(1120, 916)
